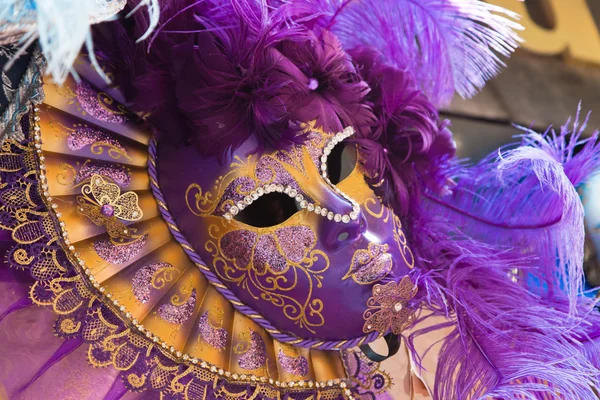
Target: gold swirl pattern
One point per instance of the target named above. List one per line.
(399, 236)
(113, 151)
(270, 272)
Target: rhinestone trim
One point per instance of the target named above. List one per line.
(233, 210)
(170, 351)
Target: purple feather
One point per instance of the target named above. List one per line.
(408, 145)
(506, 341)
(527, 201)
(221, 72)
(448, 45)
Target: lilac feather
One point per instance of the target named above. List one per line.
(527, 201)
(448, 45)
(506, 342)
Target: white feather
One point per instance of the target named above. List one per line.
(63, 27)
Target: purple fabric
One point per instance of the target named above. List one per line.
(23, 302)
(66, 348)
(117, 390)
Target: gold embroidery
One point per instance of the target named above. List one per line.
(103, 203)
(20, 256)
(271, 286)
(388, 308)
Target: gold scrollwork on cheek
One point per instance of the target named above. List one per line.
(400, 238)
(202, 204)
(368, 205)
(273, 285)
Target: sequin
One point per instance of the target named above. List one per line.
(117, 173)
(119, 254)
(107, 210)
(178, 314)
(90, 101)
(141, 283)
(82, 137)
(216, 337)
(370, 265)
(297, 366)
(256, 355)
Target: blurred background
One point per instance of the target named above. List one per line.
(556, 68)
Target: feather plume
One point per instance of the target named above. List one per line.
(507, 342)
(408, 145)
(222, 72)
(448, 45)
(527, 201)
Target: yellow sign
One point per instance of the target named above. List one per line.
(574, 32)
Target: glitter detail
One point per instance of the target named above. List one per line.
(238, 245)
(256, 355)
(295, 241)
(267, 256)
(117, 173)
(214, 336)
(107, 210)
(178, 314)
(269, 170)
(142, 281)
(268, 252)
(82, 137)
(235, 192)
(119, 254)
(90, 101)
(297, 366)
(371, 265)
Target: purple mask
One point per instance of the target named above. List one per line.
(298, 236)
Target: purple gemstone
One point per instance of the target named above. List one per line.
(107, 210)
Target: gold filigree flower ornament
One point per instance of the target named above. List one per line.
(102, 202)
(388, 308)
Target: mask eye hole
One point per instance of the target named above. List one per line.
(341, 162)
(268, 210)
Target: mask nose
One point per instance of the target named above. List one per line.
(336, 235)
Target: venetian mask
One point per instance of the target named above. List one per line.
(296, 238)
